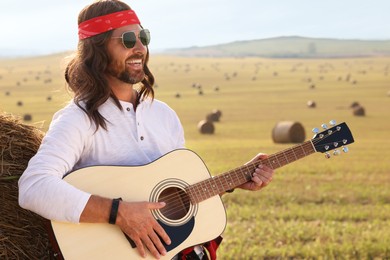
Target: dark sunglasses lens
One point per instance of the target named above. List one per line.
(129, 39)
(144, 36)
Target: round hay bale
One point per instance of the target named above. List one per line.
(214, 116)
(23, 233)
(206, 127)
(27, 117)
(311, 104)
(354, 104)
(288, 132)
(359, 111)
(19, 103)
(218, 112)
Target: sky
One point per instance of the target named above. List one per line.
(50, 26)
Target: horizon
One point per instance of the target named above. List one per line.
(28, 54)
(192, 25)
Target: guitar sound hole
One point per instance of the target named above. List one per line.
(177, 203)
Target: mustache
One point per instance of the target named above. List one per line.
(136, 56)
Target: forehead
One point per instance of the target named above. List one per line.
(131, 27)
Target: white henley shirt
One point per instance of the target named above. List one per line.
(132, 138)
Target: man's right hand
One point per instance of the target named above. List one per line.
(136, 220)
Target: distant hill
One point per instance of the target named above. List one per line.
(290, 47)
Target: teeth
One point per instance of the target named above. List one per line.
(135, 62)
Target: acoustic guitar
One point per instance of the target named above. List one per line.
(194, 212)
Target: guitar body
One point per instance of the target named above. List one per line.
(160, 180)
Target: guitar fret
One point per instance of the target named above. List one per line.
(285, 157)
(274, 161)
(303, 149)
(221, 184)
(281, 158)
(294, 154)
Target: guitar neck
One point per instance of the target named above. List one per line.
(213, 186)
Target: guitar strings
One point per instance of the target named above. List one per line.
(180, 200)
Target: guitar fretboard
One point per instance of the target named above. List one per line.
(213, 186)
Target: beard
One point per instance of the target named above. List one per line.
(129, 77)
(118, 71)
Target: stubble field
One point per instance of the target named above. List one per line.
(315, 208)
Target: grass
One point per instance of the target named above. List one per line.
(317, 208)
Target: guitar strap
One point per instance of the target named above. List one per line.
(210, 246)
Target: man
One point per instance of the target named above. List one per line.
(108, 123)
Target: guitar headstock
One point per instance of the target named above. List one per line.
(336, 137)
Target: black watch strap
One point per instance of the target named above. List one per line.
(114, 211)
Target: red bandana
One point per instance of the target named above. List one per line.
(106, 23)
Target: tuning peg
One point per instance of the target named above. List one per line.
(324, 126)
(336, 152)
(332, 122)
(315, 130)
(345, 149)
(327, 155)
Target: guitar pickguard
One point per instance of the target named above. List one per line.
(178, 234)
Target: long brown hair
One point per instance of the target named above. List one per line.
(85, 73)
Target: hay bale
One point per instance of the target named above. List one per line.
(288, 132)
(214, 116)
(23, 233)
(311, 104)
(354, 104)
(206, 127)
(27, 117)
(217, 112)
(359, 111)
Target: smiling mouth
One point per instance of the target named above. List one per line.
(135, 62)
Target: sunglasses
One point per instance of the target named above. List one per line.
(129, 38)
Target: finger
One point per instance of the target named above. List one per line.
(257, 180)
(151, 246)
(264, 180)
(162, 234)
(157, 243)
(262, 156)
(264, 171)
(156, 205)
(140, 247)
(159, 230)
